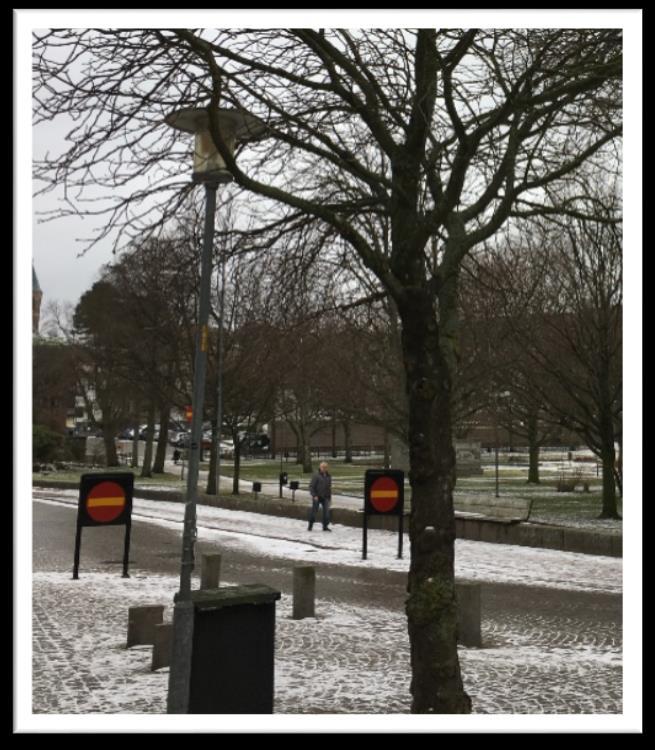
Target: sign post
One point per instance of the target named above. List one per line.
(104, 500)
(384, 495)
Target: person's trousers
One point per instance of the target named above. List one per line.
(325, 502)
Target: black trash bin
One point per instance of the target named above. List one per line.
(233, 650)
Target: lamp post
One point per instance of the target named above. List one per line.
(210, 170)
(219, 393)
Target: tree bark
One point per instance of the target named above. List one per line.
(146, 469)
(307, 459)
(211, 475)
(108, 434)
(387, 450)
(533, 449)
(237, 462)
(135, 445)
(608, 458)
(162, 443)
(607, 441)
(348, 441)
(431, 606)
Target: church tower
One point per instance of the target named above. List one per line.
(37, 294)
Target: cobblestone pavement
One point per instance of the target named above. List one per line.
(348, 659)
(544, 651)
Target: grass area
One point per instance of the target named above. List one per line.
(570, 505)
(74, 476)
(348, 479)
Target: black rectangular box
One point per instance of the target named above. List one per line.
(232, 665)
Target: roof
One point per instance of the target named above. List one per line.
(35, 281)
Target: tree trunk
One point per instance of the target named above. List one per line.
(237, 462)
(431, 606)
(618, 469)
(108, 435)
(610, 509)
(533, 449)
(162, 443)
(607, 447)
(135, 445)
(211, 476)
(307, 459)
(387, 450)
(146, 469)
(334, 436)
(348, 441)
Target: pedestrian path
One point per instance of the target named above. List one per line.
(548, 650)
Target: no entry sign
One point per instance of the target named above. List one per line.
(384, 492)
(104, 500)
(384, 495)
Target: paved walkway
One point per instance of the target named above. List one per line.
(545, 651)
(348, 660)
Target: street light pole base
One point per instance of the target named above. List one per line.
(179, 680)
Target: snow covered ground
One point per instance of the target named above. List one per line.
(272, 536)
(83, 674)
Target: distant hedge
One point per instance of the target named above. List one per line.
(47, 445)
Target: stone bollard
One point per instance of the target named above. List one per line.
(162, 646)
(304, 584)
(141, 623)
(210, 571)
(469, 614)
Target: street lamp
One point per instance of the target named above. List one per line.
(209, 169)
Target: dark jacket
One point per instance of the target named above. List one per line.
(321, 486)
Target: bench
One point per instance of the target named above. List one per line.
(501, 509)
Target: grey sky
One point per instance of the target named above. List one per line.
(64, 274)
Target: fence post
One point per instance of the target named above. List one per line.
(210, 571)
(141, 622)
(304, 585)
(469, 614)
(162, 646)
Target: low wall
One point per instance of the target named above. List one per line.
(540, 535)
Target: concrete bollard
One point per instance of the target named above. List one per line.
(469, 618)
(141, 623)
(210, 571)
(304, 585)
(162, 646)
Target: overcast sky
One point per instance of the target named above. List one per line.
(64, 274)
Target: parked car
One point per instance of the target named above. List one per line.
(255, 442)
(143, 432)
(180, 439)
(227, 449)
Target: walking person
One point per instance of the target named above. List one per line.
(320, 489)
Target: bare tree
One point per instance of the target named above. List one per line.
(559, 287)
(471, 125)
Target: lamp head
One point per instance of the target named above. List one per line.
(235, 127)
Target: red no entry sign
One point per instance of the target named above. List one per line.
(384, 494)
(105, 502)
(384, 491)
